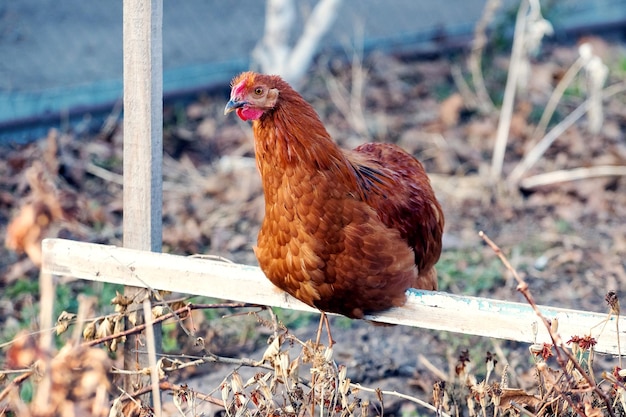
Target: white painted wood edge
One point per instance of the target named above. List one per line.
(243, 283)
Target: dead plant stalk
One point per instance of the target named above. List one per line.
(484, 102)
(557, 341)
(535, 154)
(506, 112)
(154, 372)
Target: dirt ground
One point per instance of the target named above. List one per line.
(566, 238)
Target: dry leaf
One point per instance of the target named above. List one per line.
(23, 352)
(450, 109)
(591, 411)
(89, 331)
(44, 206)
(519, 397)
(271, 351)
(25, 232)
(105, 328)
(158, 311)
(63, 322)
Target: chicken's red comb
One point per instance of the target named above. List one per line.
(242, 82)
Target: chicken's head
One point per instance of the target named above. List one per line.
(252, 95)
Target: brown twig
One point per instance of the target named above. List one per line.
(14, 384)
(557, 341)
(186, 309)
(400, 395)
(168, 386)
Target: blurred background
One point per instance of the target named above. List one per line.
(62, 60)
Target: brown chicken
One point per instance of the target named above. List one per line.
(344, 231)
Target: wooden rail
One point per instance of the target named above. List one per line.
(243, 283)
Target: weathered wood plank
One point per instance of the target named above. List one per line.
(424, 309)
(143, 151)
(143, 124)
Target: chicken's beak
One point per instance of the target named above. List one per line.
(233, 104)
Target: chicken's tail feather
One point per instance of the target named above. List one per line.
(426, 280)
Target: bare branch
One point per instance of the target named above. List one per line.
(139, 328)
(572, 175)
(274, 55)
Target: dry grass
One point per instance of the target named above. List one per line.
(292, 377)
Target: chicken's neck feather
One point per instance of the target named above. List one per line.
(292, 137)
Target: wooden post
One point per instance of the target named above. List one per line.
(143, 152)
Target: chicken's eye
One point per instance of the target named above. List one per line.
(258, 91)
